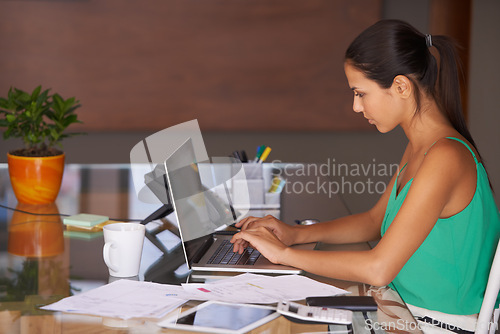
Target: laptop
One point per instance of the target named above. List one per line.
(202, 217)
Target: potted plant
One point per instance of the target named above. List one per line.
(38, 235)
(40, 119)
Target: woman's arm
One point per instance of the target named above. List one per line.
(350, 229)
(437, 178)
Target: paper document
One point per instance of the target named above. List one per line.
(261, 289)
(123, 299)
(127, 299)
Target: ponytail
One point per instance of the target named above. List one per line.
(448, 90)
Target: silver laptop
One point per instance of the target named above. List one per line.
(202, 216)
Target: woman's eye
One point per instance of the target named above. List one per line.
(359, 94)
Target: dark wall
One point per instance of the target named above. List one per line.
(146, 65)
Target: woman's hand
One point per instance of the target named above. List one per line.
(284, 232)
(262, 239)
(268, 235)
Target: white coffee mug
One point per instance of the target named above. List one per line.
(123, 248)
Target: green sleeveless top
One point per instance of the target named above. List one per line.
(449, 271)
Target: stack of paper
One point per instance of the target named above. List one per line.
(85, 226)
(123, 299)
(85, 220)
(135, 299)
(259, 289)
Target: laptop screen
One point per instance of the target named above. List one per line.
(199, 211)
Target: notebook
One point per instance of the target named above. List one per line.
(201, 216)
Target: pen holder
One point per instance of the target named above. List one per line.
(252, 190)
(272, 199)
(248, 192)
(253, 171)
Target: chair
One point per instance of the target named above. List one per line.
(487, 320)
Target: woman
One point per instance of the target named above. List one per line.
(437, 220)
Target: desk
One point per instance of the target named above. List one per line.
(55, 263)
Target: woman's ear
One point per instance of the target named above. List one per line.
(402, 86)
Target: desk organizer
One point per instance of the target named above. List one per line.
(246, 184)
(251, 190)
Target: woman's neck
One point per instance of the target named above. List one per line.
(426, 127)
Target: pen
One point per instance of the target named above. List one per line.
(236, 154)
(275, 184)
(264, 155)
(280, 187)
(260, 150)
(244, 157)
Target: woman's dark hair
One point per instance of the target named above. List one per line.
(392, 47)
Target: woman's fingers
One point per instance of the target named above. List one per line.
(240, 242)
(240, 245)
(246, 223)
(262, 239)
(254, 222)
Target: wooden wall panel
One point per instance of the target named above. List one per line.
(146, 65)
(453, 18)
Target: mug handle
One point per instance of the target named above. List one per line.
(105, 255)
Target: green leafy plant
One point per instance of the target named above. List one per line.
(39, 119)
(19, 289)
(24, 283)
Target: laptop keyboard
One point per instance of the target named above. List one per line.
(225, 255)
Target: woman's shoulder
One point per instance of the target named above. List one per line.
(455, 148)
(455, 157)
(447, 177)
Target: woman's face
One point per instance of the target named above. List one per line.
(377, 104)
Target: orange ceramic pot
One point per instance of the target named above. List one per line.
(36, 235)
(36, 180)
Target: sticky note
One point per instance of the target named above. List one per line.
(85, 219)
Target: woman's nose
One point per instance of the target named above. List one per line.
(356, 106)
